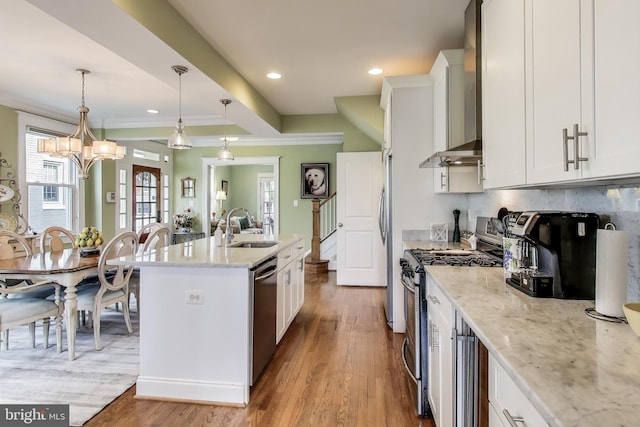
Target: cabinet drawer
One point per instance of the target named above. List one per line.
(440, 303)
(297, 249)
(285, 256)
(505, 394)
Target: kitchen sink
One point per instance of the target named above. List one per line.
(256, 244)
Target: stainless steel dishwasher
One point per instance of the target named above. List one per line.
(263, 308)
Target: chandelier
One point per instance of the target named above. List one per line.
(225, 153)
(81, 147)
(179, 139)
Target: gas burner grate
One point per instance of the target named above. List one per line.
(454, 258)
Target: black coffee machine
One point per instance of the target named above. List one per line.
(558, 254)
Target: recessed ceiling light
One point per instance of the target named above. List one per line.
(153, 111)
(375, 71)
(274, 76)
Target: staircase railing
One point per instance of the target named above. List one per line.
(324, 223)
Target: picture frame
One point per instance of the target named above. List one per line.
(314, 180)
(188, 186)
(224, 186)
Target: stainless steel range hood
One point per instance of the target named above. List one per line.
(469, 153)
(463, 155)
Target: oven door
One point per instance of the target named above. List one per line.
(411, 345)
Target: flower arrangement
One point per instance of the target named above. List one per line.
(184, 219)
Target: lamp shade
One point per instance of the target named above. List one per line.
(221, 195)
(225, 154)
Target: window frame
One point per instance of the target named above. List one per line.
(28, 123)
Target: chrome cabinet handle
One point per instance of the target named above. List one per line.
(576, 147)
(512, 420)
(443, 184)
(481, 176)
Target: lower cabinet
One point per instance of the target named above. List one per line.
(440, 365)
(508, 406)
(290, 286)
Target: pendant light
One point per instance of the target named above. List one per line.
(225, 153)
(82, 147)
(179, 140)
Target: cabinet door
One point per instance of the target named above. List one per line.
(554, 97)
(299, 283)
(281, 325)
(434, 367)
(616, 150)
(503, 93)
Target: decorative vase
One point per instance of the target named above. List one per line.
(185, 229)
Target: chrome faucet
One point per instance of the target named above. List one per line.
(229, 233)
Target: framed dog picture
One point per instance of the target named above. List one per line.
(314, 180)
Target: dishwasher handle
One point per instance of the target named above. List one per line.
(266, 269)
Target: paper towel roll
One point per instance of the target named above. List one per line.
(612, 256)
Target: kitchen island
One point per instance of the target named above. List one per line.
(196, 318)
(574, 370)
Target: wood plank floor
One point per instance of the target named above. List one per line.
(338, 365)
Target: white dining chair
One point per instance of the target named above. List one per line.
(157, 239)
(21, 302)
(52, 240)
(113, 283)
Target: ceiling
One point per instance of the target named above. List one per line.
(322, 49)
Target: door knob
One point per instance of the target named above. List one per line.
(340, 224)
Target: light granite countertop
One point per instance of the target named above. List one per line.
(204, 253)
(575, 370)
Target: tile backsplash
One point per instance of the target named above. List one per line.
(620, 204)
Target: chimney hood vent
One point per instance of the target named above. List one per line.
(468, 154)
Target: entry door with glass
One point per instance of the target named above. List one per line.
(146, 192)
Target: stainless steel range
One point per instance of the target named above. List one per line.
(488, 253)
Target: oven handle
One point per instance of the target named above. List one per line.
(410, 287)
(404, 361)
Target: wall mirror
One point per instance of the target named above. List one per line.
(188, 187)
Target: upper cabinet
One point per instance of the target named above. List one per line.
(503, 93)
(577, 74)
(447, 74)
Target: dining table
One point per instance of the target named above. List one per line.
(67, 268)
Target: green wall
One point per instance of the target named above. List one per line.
(9, 135)
(242, 191)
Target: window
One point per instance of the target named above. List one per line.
(51, 173)
(51, 192)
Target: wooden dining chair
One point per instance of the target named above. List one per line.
(22, 302)
(51, 239)
(157, 239)
(113, 283)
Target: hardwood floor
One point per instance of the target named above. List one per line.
(338, 365)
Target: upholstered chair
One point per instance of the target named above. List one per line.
(113, 283)
(157, 239)
(20, 303)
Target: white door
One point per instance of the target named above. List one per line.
(360, 252)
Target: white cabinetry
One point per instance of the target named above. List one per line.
(506, 401)
(448, 122)
(290, 286)
(440, 375)
(503, 93)
(579, 75)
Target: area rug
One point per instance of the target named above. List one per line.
(88, 383)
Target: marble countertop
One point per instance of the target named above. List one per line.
(204, 253)
(576, 371)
